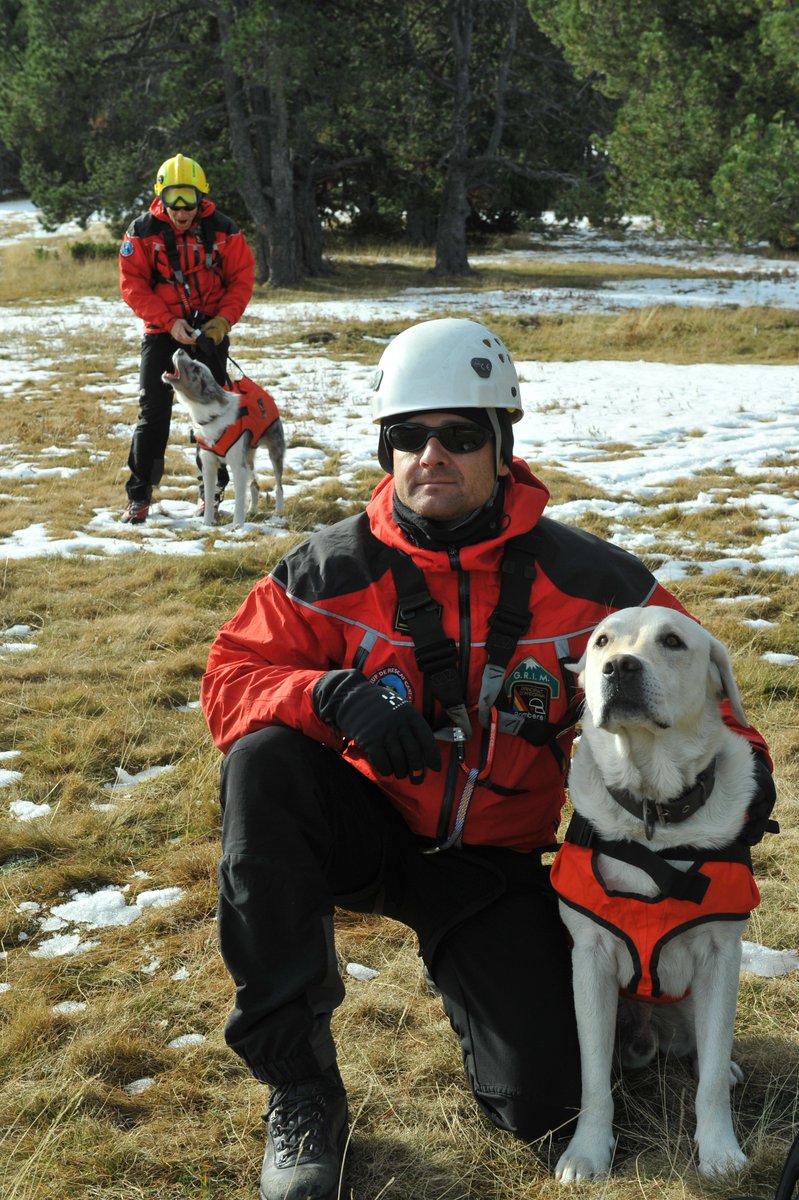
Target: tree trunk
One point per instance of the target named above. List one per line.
(284, 261)
(451, 254)
(246, 108)
(309, 224)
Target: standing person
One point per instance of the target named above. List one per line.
(183, 267)
(396, 713)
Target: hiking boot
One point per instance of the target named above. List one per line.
(136, 512)
(218, 498)
(307, 1125)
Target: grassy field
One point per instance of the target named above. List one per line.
(120, 646)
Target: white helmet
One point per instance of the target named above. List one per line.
(448, 363)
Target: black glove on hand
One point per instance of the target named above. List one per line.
(395, 738)
(760, 806)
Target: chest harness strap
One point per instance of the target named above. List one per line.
(173, 257)
(670, 881)
(437, 656)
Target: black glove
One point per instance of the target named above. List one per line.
(759, 811)
(395, 738)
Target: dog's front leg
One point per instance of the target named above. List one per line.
(715, 991)
(210, 468)
(596, 997)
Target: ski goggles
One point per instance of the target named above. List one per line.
(180, 197)
(456, 438)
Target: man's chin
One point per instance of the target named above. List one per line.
(439, 506)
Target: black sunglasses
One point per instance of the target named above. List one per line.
(456, 438)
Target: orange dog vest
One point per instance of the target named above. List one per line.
(257, 412)
(646, 924)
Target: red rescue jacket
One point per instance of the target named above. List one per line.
(332, 603)
(147, 280)
(648, 923)
(257, 412)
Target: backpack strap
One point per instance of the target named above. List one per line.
(436, 654)
(509, 620)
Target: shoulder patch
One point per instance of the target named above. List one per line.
(396, 679)
(126, 249)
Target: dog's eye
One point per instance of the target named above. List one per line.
(673, 642)
(601, 641)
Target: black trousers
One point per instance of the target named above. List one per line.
(303, 832)
(151, 434)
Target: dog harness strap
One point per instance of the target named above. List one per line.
(668, 812)
(670, 881)
(582, 833)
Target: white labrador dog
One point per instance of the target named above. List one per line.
(213, 411)
(656, 769)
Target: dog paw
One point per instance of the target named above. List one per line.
(576, 1163)
(736, 1074)
(719, 1164)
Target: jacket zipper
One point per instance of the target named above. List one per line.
(464, 646)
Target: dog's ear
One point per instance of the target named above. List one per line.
(721, 673)
(576, 668)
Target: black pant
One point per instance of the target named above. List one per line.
(304, 832)
(150, 437)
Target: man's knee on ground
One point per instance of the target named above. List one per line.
(528, 1117)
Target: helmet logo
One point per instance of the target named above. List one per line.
(482, 366)
(377, 379)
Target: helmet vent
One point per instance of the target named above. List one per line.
(482, 366)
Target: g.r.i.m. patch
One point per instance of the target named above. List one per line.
(530, 688)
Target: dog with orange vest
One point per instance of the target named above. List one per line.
(654, 879)
(229, 423)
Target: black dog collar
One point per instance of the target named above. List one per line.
(668, 812)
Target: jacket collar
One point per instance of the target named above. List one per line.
(525, 500)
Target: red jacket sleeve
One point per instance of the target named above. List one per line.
(263, 666)
(136, 286)
(238, 277)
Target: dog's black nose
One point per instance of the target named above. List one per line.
(622, 664)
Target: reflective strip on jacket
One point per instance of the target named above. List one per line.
(648, 923)
(332, 603)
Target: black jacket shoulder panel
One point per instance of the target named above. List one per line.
(344, 558)
(144, 226)
(219, 221)
(148, 224)
(589, 568)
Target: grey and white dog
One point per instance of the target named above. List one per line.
(213, 411)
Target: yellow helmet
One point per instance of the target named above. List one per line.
(181, 172)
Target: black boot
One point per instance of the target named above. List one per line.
(307, 1123)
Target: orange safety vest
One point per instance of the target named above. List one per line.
(647, 923)
(255, 415)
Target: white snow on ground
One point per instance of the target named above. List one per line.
(674, 422)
